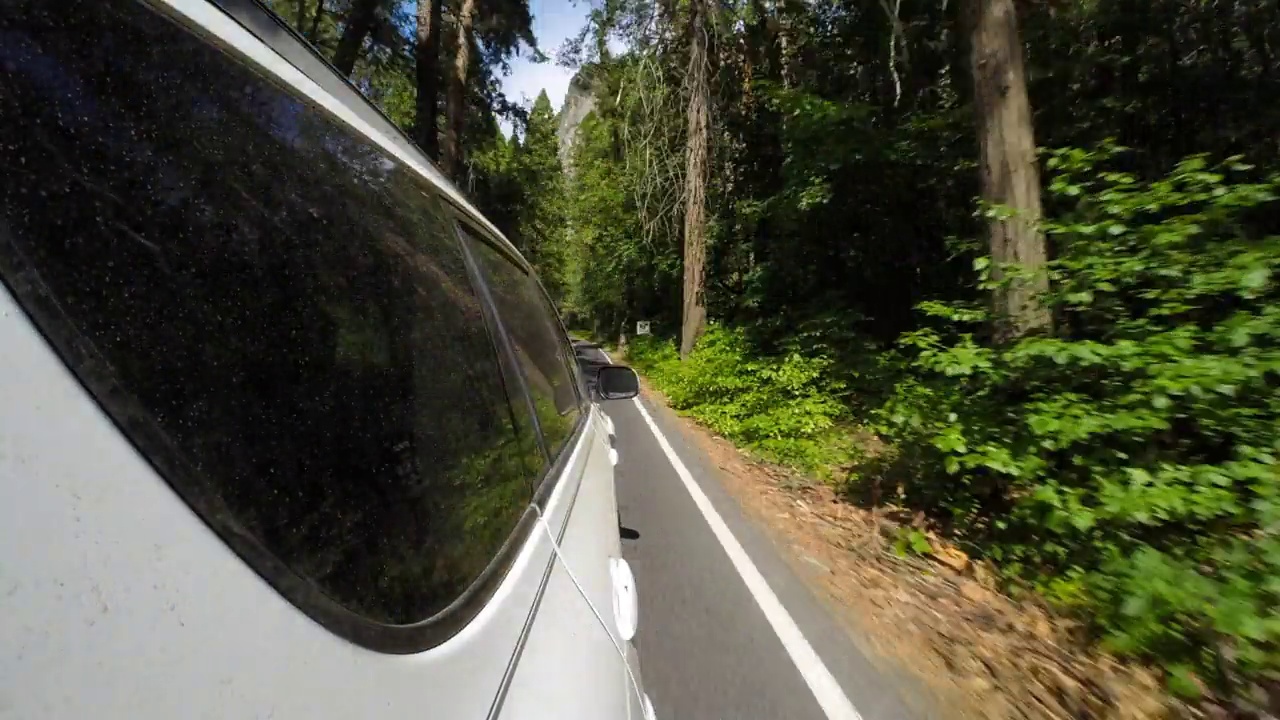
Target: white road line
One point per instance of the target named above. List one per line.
(830, 696)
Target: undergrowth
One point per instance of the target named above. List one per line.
(1124, 467)
(786, 409)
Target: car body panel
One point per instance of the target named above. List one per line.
(120, 602)
(580, 682)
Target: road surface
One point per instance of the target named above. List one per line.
(717, 599)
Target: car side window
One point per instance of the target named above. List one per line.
(275, 311)
(538, 339)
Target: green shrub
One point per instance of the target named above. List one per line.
(1126, 466)
(785, 408)
(650, 354)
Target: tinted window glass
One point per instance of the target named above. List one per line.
(540, 344)
(271, 307)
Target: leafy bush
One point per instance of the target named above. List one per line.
(786, 408)
(1127, 466)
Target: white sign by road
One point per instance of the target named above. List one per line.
(642, 327)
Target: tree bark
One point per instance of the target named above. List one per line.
(897, 35)
(694, 311)
(455, 106)
(958, 70)
(427, 56)
(789, 14)
(1007, 166)
(360, 22)
(300, 14)
(313, 32)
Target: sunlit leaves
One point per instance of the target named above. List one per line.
(1124, 452)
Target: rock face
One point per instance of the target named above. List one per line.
(579, 101)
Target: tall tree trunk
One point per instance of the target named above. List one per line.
(313, 33)
(789, 18)
(360, 21)
(694, 315)
(455, 107)
(958, 70)
(427, 56)
(897, 46)
(1007, 165)
(300, 14)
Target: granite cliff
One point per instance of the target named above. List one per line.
(579, 101)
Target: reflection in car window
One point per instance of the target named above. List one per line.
(539, 342)
(275, 310)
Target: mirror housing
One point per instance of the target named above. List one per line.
(617, 382)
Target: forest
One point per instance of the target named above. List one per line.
(1007, 264)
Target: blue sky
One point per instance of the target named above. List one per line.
(554, 21)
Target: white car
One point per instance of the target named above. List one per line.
(287, 428)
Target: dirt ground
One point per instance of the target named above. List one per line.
(937, 621)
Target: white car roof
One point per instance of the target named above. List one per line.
(248, 26)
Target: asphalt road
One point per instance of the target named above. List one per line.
(710, 638)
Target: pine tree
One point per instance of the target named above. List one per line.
(542, 217)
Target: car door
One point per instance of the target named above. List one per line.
(577, 662)
(259, 456)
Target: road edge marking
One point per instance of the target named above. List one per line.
(824, 686)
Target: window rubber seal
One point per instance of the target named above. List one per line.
(544, 482)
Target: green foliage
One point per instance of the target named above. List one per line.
(1128, 466)
(543, 211)
(384, 69)
(1125, 466)
(613, 274)
(911, 541)
(602, 229)
(523, 192)
(785, 408)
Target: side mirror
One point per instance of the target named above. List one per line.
(617, 382)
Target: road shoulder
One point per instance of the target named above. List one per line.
(937, 640)
(878, 690)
